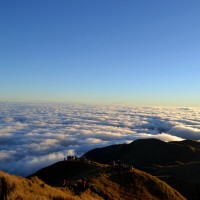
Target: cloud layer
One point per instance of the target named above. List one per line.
(33, 136)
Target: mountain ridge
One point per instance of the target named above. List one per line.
(145, 152)
(161, 171)
(174, 162)
(111, 183)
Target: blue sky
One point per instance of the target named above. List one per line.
(103, 51)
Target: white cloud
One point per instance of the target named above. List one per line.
(186, 132)
(36, 135)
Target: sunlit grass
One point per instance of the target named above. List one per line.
(23, 189)
(105, 184)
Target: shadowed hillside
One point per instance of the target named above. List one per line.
(191, 143)
(177, 163)
(107, 183)
(183, 177)
(70, 170)
(145, 152)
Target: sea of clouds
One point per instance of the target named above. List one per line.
(33, 136)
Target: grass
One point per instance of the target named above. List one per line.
(104, 184)
(141, 185)
(23, 189)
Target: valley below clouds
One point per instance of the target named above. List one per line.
(33, 136)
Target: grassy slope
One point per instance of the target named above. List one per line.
(133, 184)
(23, 189)
(183, 177)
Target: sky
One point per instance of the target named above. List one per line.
(136, 52)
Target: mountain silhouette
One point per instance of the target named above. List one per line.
(146, 152)
(143, 169)
(177, 163)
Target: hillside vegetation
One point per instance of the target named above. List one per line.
(177, 163)
(108, 183)
(19, 188)
(174, 166)
(104, 183)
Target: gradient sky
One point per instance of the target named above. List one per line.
(100, 51)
